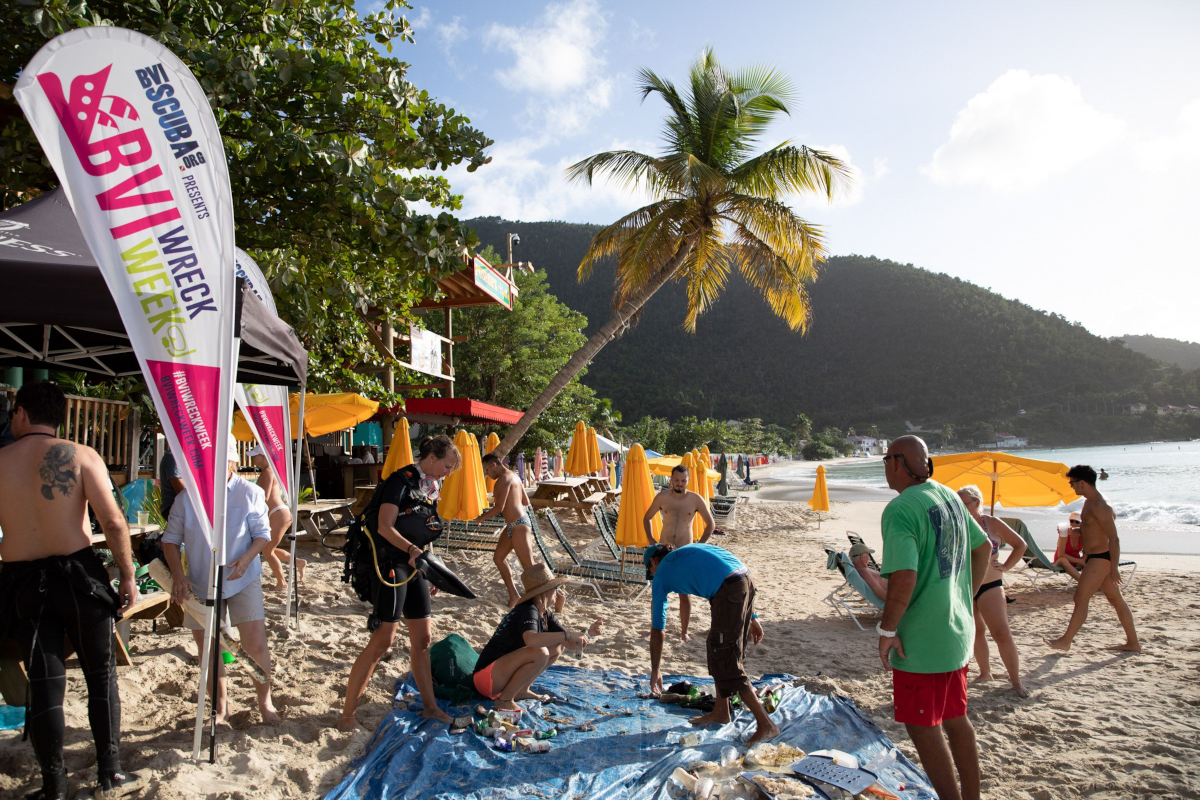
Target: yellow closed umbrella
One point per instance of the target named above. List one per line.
(637, 493)
(462, 491)
(323, 413)
(577, 456)
(1011, 481)
(662, 465)
(558, 463)
(820, 495)
(493, 441)
(707, 456)
(694, 481)
(400, 453)
(701, 468)
(593, 451)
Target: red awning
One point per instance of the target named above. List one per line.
(457, 411)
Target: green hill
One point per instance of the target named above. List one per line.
(1174, 351)
(889, 343)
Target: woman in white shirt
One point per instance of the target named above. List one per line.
(247, 534)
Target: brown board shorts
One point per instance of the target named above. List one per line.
(732, 609)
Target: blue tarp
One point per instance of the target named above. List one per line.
(135, 497)
(631, 753)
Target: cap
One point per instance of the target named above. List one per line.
(649, 554)
(257, 450)
(233, 451)
(858, 549)
(1075, 516)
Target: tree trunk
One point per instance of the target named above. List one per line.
(608, 331)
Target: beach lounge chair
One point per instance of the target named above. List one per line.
(724, 510)
(856, 539)
(606, 548)
(1039, 566)
(853, 596)
(590, 573)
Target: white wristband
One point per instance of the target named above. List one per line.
(885, 634)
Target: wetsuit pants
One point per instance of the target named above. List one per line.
(53, 598)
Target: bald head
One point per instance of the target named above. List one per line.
(907, 462)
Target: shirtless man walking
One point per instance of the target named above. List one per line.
(53, 584)
(1102, 551)
(280, 517)
(679, 507)
(510, 500)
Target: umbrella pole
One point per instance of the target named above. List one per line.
(994, 480)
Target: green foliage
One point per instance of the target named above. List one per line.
(829, 441)
(328, 144)
(817, 450)
(650, 432)
(509, 356)
(1173, 351)
(151, 504)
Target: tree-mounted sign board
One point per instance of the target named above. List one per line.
(495, 284)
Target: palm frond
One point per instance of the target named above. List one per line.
(706, 272)
(790, 168)
(610, 239)
(627, 167)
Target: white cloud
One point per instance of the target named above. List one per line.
(1178, 149)
(421, 21)
(1022, 131)
(559, 63)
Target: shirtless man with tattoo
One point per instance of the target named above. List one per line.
(53, 583)
(510, 500)
(1102, 554)
(281, 519)
(679, 507)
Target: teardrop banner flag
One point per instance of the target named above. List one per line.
(266, 407)
(133, 140)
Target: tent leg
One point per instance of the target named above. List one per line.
(216, 649)
(294, 584)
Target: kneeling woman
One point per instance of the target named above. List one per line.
(528, 640)
(402, 510)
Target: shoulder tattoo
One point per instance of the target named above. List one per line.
(57, 470)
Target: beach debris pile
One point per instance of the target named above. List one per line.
(502, 728)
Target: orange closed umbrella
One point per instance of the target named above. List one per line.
(820, 495)
(577, 455)
(593, 451)
(637, 493)
(493, 441)
(694, 481)
(400, 453)
(558, 463)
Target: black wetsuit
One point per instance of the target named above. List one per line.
(41, 602)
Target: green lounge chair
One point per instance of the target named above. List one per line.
(856, 539)
(853, 596)
(606, 548)
(1039, 566)
(590, 573)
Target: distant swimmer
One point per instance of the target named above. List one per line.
(1102, 553)
(1103, 474)
(679, 507)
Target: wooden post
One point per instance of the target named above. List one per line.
(135, 442)
(389, 379)
(448, 367)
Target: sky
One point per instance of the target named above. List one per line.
(1049, 151)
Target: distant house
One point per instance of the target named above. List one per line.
(1007, 441)
(1169, 409)
(868, 444)
(1135, 408)
(1193, 410)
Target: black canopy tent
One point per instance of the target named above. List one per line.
(56, 310)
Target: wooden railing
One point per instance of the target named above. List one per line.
(103, 425)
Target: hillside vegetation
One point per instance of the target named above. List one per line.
(1174, 351)
(889, 343)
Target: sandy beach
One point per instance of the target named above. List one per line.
(1099, 724)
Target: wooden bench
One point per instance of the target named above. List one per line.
(324, 516)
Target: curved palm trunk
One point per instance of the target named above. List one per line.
(608, 331)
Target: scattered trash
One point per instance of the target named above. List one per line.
(766, 754)
(729, 754)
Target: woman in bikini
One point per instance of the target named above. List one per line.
(991, 610)
(1069, 554)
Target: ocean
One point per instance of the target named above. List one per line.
(1154, 488)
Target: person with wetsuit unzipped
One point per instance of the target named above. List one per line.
(53, 584)
(384, 571)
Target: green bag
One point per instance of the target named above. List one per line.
(452, 661)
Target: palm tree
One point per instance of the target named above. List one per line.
(873, 431)
(717, 207)
(947, 434)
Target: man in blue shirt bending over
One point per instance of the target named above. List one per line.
(717, 575)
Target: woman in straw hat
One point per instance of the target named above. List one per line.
(526, 641)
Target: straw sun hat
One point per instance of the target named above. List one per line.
(538, 579)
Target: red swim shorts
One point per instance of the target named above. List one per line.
(483, 682)
(929, 698)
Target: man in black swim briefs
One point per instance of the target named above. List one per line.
(1102, 551)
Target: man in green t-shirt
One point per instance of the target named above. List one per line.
(935, 556)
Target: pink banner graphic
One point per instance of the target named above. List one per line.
(130, 134)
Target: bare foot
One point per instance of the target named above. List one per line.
(347, 724)
(532, 696)
(1020, 690)
(1056, 644)
(764, 734)
(1128, 647)
(300, 565)
(982, 677)
(507, 705)
(279, 586)
(269, 714)
(715, 717)
(438, 714)
(685, 636)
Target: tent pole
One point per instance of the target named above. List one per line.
(294, 587)
(995, 478)
(216, 670)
